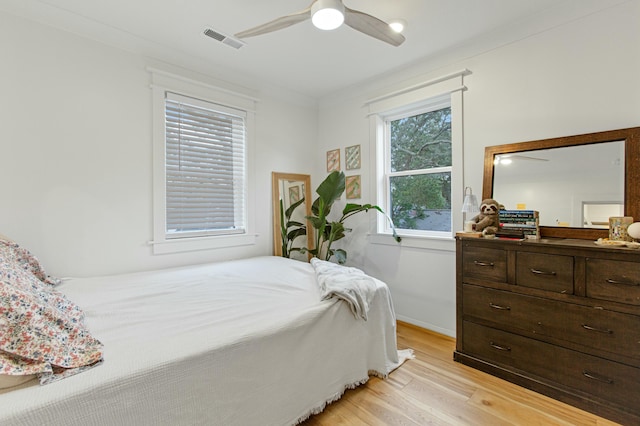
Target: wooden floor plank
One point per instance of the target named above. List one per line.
(432, 389)
(449, 405)
(512, 411)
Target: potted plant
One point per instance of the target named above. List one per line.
(328, 231)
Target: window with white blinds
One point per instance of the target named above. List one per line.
(205, 168)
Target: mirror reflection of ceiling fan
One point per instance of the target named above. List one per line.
(509, 158)
(329, 15)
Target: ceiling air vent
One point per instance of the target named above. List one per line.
(223, 38)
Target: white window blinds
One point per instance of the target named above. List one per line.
(205, 168)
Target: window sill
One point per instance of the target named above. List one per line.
(413, 241)
(202, 243)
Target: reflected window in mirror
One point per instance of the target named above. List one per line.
(596, 215)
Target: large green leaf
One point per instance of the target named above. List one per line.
(350, 207)
(289, 212)
(331, 188)
(337, 231)
(315, 208)
(295, 233)
(316, 222)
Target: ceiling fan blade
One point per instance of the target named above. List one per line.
(276, 24)
(525, 157)
(372, 26)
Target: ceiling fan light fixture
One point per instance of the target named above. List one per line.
(327, 14)
(398, 25)
(504, 160)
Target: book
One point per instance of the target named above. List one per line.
(531, 212)
(516, 225)
(518, 214)
(523, 224)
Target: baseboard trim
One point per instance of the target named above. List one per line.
(426, 326)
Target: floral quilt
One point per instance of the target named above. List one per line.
(41, 331)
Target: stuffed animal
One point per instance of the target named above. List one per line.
(488, 220)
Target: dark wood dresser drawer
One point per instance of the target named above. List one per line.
(614, 280)
(545, 272)
(485, 263)
(598, 329)
(609, 381)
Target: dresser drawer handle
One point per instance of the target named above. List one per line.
(500, 308)
(594, 376)
(500, 347)
(478, 263)
(599, 330)
(539, 272)
(632, 284)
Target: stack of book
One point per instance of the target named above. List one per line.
(519, 224)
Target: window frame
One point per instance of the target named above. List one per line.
(427, 96)
(162, 83)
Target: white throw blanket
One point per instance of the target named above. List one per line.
(346, 283)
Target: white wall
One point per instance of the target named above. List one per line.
(76, 152)
(567, 78)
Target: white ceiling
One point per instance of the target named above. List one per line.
(301, 58)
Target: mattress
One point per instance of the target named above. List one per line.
(246, 342)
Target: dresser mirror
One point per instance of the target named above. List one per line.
(288, 189)
(575, 182)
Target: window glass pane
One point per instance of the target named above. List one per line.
(421, 202)
(421, 141)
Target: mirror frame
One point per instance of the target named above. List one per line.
(631, 138)
(275, 200)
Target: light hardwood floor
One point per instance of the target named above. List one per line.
(432, 389)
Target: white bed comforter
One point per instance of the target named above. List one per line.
(246, 342)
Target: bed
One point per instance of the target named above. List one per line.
(246, 342)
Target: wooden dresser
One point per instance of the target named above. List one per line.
(558, 316)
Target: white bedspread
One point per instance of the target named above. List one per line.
(247, 342)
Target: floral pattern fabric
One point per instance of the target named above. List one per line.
(41, 331)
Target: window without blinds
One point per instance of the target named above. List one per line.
(420, 166)
(205, 168)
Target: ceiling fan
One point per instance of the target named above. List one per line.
(508, 158)
(329, 15)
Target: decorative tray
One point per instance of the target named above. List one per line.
(605, 242)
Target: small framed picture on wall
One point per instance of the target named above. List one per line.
(352, 157)
(353, 187)
(333, 160)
